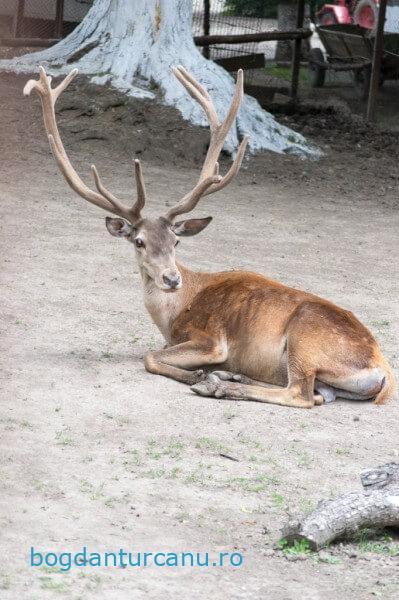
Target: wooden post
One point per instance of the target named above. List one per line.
(376, 64)
(19, 15)
(207, 25)
(296, 59)
(59, 19)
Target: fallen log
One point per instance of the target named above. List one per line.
(376, 506)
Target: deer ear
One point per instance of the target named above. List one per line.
(191, 226)
(118, 227)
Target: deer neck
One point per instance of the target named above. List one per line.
(164, 306)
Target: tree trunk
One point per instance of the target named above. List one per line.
(133, 46)
(377, 506)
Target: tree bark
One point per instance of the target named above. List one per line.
(377, 506)
(133, 45)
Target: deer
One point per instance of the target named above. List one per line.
(235, 334)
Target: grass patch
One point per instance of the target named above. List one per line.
(376, 541)
(328, 559)
(63, 438)
(162, 473)
(285, 73)
(304, 459)
(298, 547)
(174, 449)
(5, 583)
(94, 492)
(11, 424)
(278, 500)
(206, 444)
(133, 459)
(342, 451)
(381, 324)
(47, 583)
(112, 500)
(255, 484)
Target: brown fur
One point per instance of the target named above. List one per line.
(248, 324)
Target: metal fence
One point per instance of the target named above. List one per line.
(44, 21)
(211, 17)
(47, 19)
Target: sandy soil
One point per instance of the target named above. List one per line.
(97, 452)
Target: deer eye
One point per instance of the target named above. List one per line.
(139, 243)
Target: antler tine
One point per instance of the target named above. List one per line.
(232, 172)
(190, 200)
(74, 180)
(133, 214)
(209, 180)
(48, 96)
(120, 208)
(140, 187)
(187, 75)
(218, 137)
(199, 94)
(64, 84)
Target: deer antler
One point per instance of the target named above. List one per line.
(102, 198)
(210, 181)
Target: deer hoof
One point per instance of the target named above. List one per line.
(196, 376)
(211, 386)
(227, 376)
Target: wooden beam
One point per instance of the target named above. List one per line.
(246, 61)
(376, 64)
(242, 38)
(296, 59)
(29, 42)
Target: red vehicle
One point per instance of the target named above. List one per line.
(344, 12)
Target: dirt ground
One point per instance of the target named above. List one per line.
(95, 451)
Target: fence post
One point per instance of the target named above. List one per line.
(59, 19)
(376, 64)
(296, 59)
(19, 15)
(207, 24)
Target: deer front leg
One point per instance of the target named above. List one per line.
(183, 361)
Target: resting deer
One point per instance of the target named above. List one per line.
(253, 330)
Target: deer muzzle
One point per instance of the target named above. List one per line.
(172, 279)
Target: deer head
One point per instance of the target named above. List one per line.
(154, 239)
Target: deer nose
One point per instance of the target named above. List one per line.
(172, 280)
